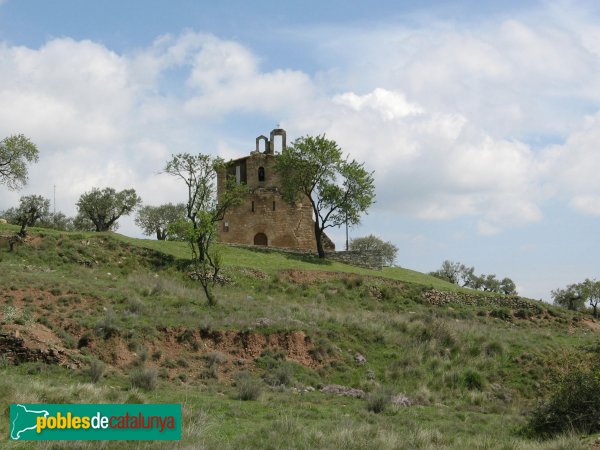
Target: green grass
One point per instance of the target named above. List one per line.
(473, 376)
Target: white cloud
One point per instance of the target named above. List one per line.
(441, 114)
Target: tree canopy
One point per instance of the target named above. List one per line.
(373, 243)
(15, 152)
(457, 273)
(576, 295)
(339, 190)
(155, 220)
(203, 211)
(31, 210)
(103, 207)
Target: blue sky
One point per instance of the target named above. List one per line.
(480, 119)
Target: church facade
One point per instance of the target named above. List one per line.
(264, 218)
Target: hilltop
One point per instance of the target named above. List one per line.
(464, 368)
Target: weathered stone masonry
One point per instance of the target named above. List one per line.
(264, 218)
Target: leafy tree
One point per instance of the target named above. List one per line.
(373, 243)
(15, 152)
(156, 219)
(450, 272)
(83, 223)
(508, 286)
(199, 173)
(32, 208)
(491, 283)
(58, 221)
(576, 295)
(339, 190)
(104, 207)
(571, 297)
(591, 291)
(459, 274)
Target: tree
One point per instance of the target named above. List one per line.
(591, 291)
(571, 297)
(57, 221)
(575, 296)
(104, 207)
(31, 209)
(508, 286)
(450, 272)
(199, 173)
(15, 151)
(373, 243)
(459, 274)
(156, 219)
(339, 190)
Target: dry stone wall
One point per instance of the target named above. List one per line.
(370, 259)
(440, 298)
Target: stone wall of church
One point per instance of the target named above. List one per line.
(264, 218)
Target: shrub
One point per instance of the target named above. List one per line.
(378, 400)
(135, 305)
(107, 326)
(322, 349)
(473, 380)
(96, 370)
(573, 406)
(502, 314)
(143, 379)
(281, 376)
(249, 388)
(494, 348)
(215, 358)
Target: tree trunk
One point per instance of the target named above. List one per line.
(319, 238)
(201, 254)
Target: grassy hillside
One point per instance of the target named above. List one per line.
(464, 372)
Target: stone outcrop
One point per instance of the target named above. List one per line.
(13, 349)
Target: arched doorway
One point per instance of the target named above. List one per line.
(261, 239)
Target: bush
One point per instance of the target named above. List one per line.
(473, 380)
(378, 400)
(144, 379)
(574, 405)
(494, 348)
(281, 376)
(249, 388)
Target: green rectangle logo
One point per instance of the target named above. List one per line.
(40, 422)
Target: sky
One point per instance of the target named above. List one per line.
(480, 120)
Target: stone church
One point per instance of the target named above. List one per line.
(264, 218)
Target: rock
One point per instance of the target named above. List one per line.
(263, 322)
(360, 359)
(370, 374)
(343, 390)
